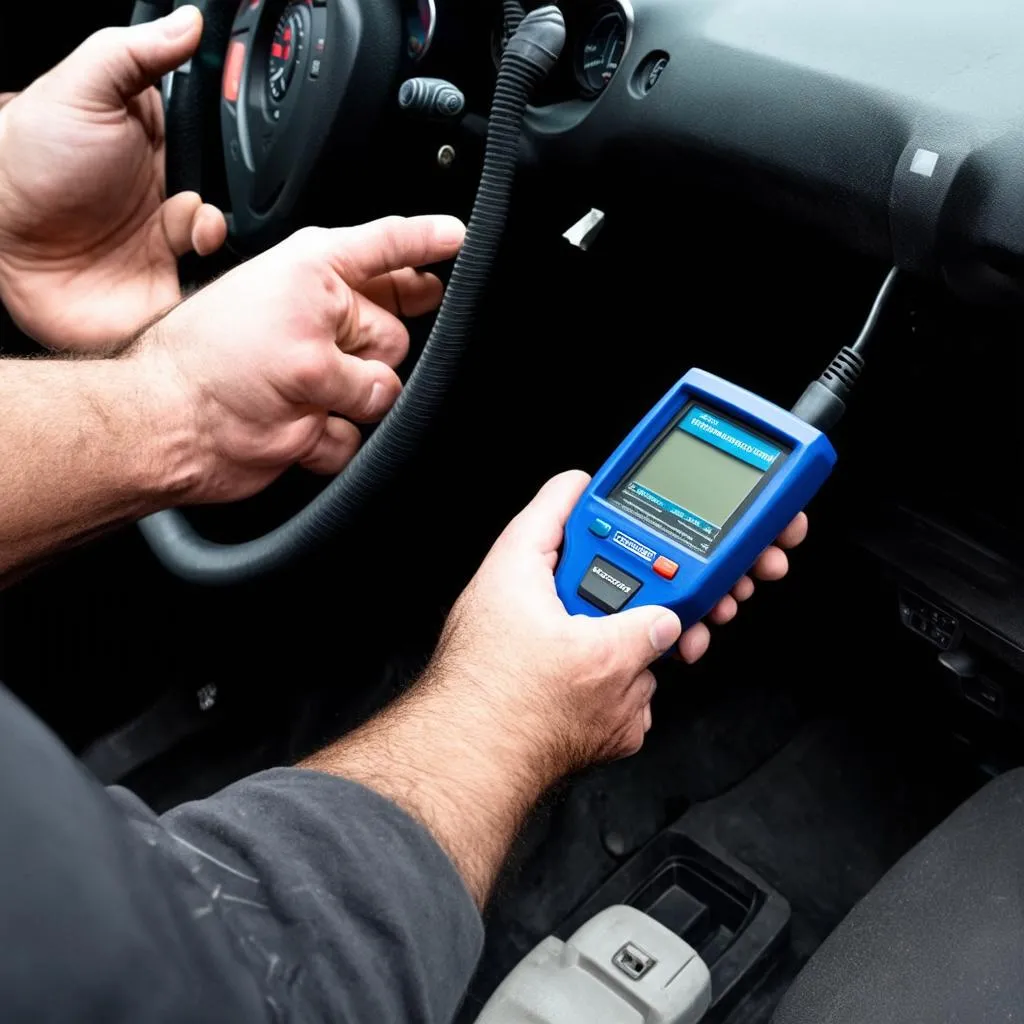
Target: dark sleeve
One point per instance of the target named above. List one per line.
(360, 915)
(291, 896)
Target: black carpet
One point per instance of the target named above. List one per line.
(824, 820)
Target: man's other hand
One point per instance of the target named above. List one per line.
(276, 362)
(581, 685)
(89, 246)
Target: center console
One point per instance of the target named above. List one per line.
(732, 918)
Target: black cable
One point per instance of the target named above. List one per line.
(528, 58)
(868, 330)
(824, 402)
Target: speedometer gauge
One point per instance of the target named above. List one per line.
(601, 51)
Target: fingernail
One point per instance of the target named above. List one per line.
(450, 231)
(376, 398)
(665, 632)
(180, 22)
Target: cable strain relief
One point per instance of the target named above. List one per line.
(842, 374)
(823, 404)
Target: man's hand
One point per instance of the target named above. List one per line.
(89, 247)
(220, 397)
(582, 684)
(518, 694)
(254, 365)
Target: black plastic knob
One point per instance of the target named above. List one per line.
(432, 97)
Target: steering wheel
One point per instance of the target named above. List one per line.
(298, 74)
(300, 77)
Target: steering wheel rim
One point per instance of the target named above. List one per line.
(528, 58)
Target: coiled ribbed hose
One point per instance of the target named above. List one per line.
(529, 56)
(513, 13)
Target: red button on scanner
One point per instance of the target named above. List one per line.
(665, 567)
(232, 85)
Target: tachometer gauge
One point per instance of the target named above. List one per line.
(601, 50)
(285, 51)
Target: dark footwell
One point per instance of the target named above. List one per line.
(819, 808)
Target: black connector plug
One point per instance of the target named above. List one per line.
(539, 38)
(824, 402)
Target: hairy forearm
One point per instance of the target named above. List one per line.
(84, 444)
(453, 764)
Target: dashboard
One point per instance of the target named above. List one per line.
(897, 127)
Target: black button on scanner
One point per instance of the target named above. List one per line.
(606, 586)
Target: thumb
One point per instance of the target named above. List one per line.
(116, 64)
(540, 526)
(639, 635)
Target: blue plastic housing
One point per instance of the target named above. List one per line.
(701, 581)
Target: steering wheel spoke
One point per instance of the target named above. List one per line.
(282, 83)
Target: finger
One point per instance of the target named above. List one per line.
(651, 683)
(209, 230)
(363, 253)
(336, 447)
(540, 526)
(641, 690)
(795, 533)
(115, 64)
(725, 611)
(772, 565)
(405, 292)
(645, 684)
(177, 217)
(648, 718)
(744, 589)
(632, 740)
(694, 643)
(380, 336)
(637, 636)
(361, 390)
(5, 98)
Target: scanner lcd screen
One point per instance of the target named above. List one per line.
(694, 480)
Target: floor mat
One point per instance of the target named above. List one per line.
(825, 819)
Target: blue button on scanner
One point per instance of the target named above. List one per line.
(599, 528)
